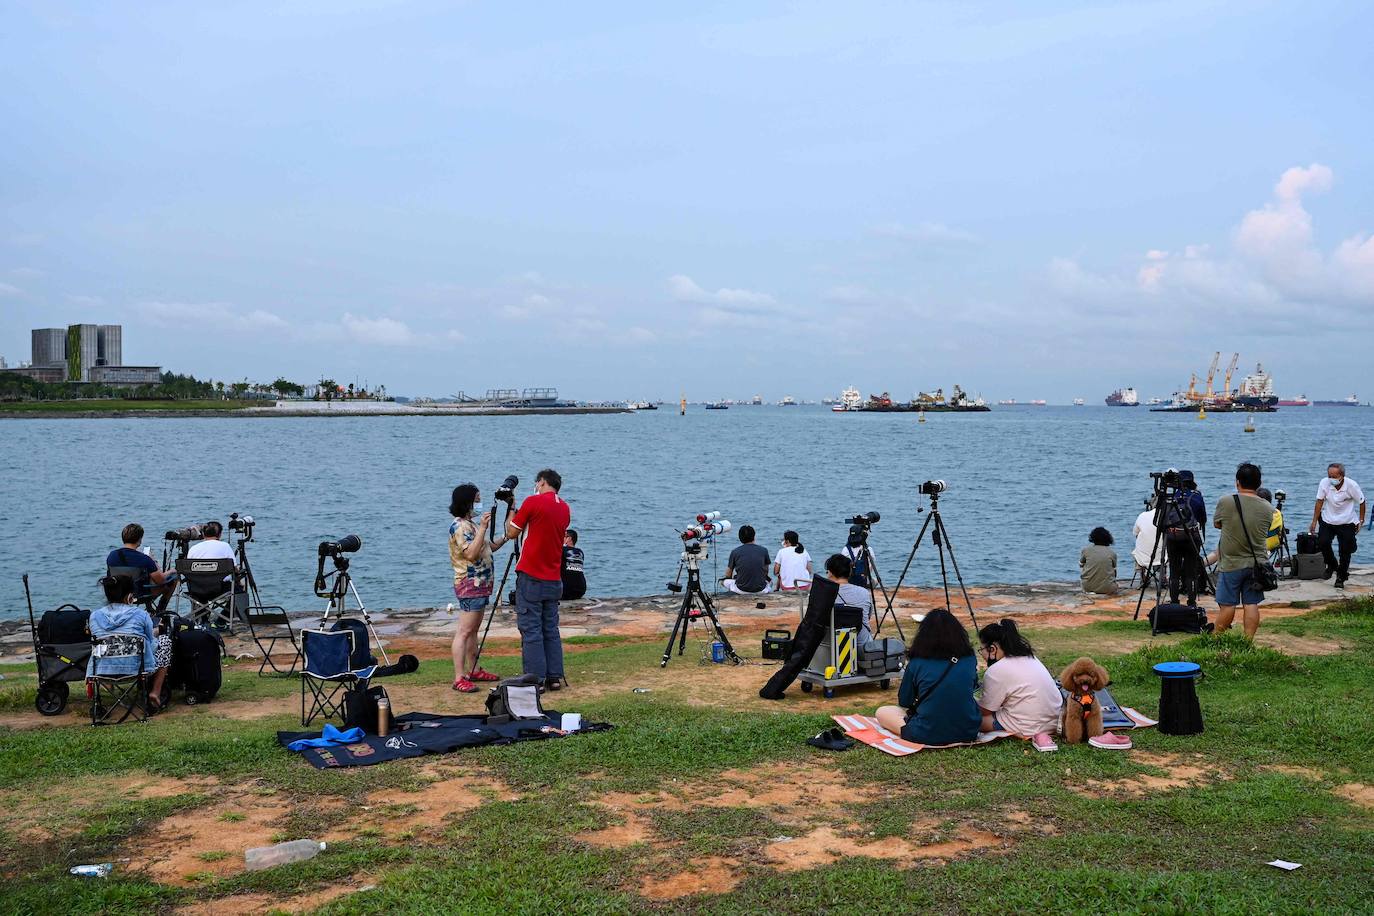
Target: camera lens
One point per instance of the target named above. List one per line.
(347, 544)
(931, 487)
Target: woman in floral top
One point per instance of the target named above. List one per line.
(470, 554)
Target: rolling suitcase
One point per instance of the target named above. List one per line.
(1309, 566)
(195, 666)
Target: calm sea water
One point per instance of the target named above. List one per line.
(1026, 485)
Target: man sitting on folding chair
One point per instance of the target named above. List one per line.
(123, 656)
(212, 588)
(328, 672)
(153, 587)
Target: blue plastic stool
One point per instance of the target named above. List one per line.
(1180, 713)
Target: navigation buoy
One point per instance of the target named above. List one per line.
(921, 415)
(1202, 413)
(1249, 424)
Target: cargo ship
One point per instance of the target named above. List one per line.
(1123, 397)
(1256, 391)
(849, 399)
(957, 402)
(1351, 401)
(1299, 401)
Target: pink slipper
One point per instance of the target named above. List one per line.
(1044, 743)
(1110, 742)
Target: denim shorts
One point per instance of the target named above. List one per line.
(1236, 587)
(473, 604)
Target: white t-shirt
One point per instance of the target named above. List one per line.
(1023, 695)
(1145, 532)
(792, 567)
(211, 550)
(1340, 506)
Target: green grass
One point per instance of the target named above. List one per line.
(1197, 847)
(102, 405)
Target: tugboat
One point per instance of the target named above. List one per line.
(1123, 397)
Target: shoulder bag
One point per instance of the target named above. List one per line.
(925, 696)
(1266, 577)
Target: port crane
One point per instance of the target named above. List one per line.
(1230, 371)
(1212, 374)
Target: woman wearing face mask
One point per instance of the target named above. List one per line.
(470, 553)
(792, 568)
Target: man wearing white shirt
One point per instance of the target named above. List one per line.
(1145, 534)
(1337, 517)
(211, 548)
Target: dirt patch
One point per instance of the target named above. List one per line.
(28, 812)
(243, 904)
(398, 813)
(1301, 645)
(176, 849)
(1357, 792)
(1301, 772)
(1179, 773)
(825, 845)
(708, 875)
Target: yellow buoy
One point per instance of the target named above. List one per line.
(1202, 413)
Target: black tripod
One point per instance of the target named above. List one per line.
(695, 604)
(939, 536)
(1282, 555)
(340, 586)
(513, 559)
(860, 550)
(1165, 493)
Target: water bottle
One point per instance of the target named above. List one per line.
(260, 857)
(383, 716)
(93, 871)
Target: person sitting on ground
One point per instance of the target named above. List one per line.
(746, 572)
(936, 696)
(574, 580)
(469, 552)
(1097, 564)
(792, 568)
(156, 583)
(121, 615)
(1020, 695)
(838, 569)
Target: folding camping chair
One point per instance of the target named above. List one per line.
(327, 672)
(113, 692)
(214, 598)
(258, 617)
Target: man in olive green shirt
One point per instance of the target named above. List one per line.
(1244, 529)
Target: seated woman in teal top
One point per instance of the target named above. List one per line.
(936, 697)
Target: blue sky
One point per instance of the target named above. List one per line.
(626, 200)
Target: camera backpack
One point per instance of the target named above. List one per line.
(515, 698)
(195, 668)
(1177, 618)
(360, 709)
(1179, 524)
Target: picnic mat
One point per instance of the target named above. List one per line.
(867, 729)
(420, 733)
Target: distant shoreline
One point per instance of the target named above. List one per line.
(285, 413)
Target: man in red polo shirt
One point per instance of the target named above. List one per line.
(541, 519)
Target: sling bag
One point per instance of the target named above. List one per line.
(1265, 576)
(921, 698)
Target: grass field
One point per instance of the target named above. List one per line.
(104, 405)
(718, 806)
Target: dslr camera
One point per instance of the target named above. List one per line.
(241, 523)
(506, 492)
(867, 520)
(1167, 478)
(349, 543)
(932, 488)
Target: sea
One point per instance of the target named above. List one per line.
(1025, 486)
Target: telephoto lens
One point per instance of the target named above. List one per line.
(705, 517)
(931, 487)
(240, 522)
(347, 544)
(189, 533)
(506, 492)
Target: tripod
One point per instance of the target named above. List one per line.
(695, 604)
(1164, 494)
(340, 588)
(513, 559)
(939, 536)
(875, 577)
(1282, 555)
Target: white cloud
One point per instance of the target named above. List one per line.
(926, 233)
(387, 332)
(7, 290)
(685, 289)
(218, 316)
(1274, 268)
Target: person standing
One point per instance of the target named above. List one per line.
(469, 552)
(1183, 541)
(542, 520)
(1244, 523)
(574, 577)
(1148, 560)
(1337, 517)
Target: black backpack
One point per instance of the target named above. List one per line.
(858, 574)
(1179, 524)
(515, 698)
(361, 710)
(1178, 618)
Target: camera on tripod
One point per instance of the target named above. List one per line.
(866, 520)
(242, 524)
(708, 526)
(932, 488)
(185, 535)
(349, 543)
(506, 492)
(1169, 479)
(1279, 497)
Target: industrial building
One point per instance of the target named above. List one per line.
(84, 353)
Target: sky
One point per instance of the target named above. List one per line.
(1043, 200)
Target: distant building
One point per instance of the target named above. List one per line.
(41, 373)
(86, 353)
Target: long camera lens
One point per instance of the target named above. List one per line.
(931, 487)
(240, 522)
(506, 492)
(348, 544)
(189, 533)
(868, 518)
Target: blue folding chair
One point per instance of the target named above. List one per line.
(328, 672)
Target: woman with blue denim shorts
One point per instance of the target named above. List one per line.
(470, 553)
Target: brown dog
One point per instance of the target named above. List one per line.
(1082, 713)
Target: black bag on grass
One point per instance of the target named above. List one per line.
(361, 709)
(515, 698)
(196, 654)
(1177, 618)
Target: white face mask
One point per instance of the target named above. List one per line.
(476, 509)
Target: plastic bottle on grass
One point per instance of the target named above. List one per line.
(281, 854)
